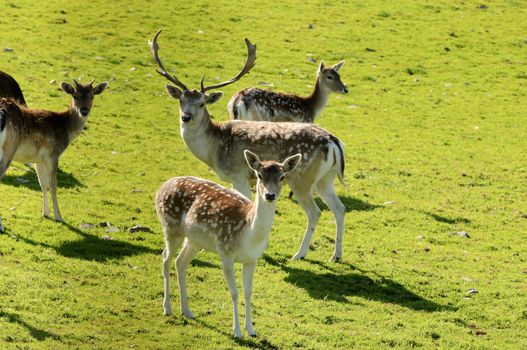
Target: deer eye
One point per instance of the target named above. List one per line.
(202, 105)
(330, 77)
(282, 178)
(260, 177)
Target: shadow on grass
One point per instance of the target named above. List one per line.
(250, 342)
(351, 204)
(91, 247)
(64, 180)
(447, 220)
(38, 334)
(338, 286)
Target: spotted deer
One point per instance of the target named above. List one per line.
(9, 88)
(221, 146)
(40, 136)
(204, 215)
(258, 104)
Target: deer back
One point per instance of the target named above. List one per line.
(9, 88)
(203, 209)
(273, 141)
(265, 105)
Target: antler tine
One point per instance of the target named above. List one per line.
(154, 47)
(249, 63)
(76, 83)
(91, 82)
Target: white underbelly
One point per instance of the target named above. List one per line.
(29, 153)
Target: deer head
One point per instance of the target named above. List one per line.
(270, 174)
(83, 95)
(329, 78)
(193, 102)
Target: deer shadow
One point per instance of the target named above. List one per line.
(447, 220)
(36, 333)
(30, 180)
(350, 203)
(250, 342)
(338, 286)
(94, 248)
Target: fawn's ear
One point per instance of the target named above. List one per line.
(213, 98)
(67, 88)
(252, 160)
(339, 65)
(97, 90)
(173, 91)
(290, 163)
(321, 67)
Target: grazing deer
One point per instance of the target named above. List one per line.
(39, 136)
(221, 147)
(208, 216)
(10, 88)
(258, 104)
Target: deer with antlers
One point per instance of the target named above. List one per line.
(205, 215)
(258, 104)
(9, 88)
(40, 136)
(221, 147)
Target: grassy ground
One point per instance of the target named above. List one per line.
(434, 128)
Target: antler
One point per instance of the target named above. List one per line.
(249, 63)
(155, 48)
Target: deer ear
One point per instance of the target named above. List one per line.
(321, 67)
(67, 88)
(99, 88)
(338, 66)
(214, 97)
(252, 160)
(290, 163)
(173, 91)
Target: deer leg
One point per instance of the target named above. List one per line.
(172, 243)
(230, 278)
(326, 190)
(5, 161)
(248, 273)
(52, 167)
(43, 180)
(184, 258)
(305, 199)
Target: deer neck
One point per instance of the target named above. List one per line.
(76, 122)
(262, 218)
(200, 139)
(318, 98)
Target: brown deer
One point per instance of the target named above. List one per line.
(258, 104)
(9, 88)
(40, 136)
(221, 147)
(205, 215)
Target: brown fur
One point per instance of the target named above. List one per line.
(198, 200)
(264, 105)
(40, 128)
(41, 136)
(10, 88)
(271, 141)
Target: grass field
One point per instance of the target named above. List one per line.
(435, 131)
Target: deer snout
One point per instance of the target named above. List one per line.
(344, 90)
(270, 196)
(84, 111)
(186, 117)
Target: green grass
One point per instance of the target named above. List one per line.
(435, 135)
